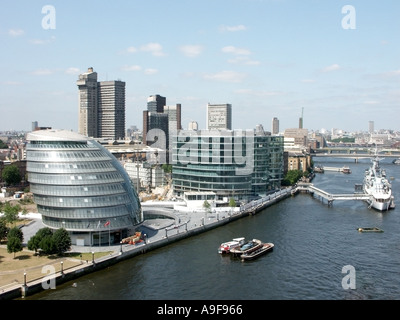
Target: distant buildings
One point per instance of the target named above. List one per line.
(79, 185)
(101, 107)
(160, 122)
(219, 116)
(275, 126)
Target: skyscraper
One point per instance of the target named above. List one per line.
(101, 107)
(275, 125)
(219, 116)
(87, 85)
(111, 109)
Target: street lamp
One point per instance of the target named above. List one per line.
(92, 257)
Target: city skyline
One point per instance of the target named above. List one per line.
(337, 61)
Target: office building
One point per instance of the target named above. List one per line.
(231, 163)
(275, 126)
(79, 185)
(101, 107)
(219, 116)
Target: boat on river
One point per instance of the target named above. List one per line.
(370, 229)
(377, 186)
(226, 247)
(265, 247)
(396, 161)
(247, 247)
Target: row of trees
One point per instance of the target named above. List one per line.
(45, 240)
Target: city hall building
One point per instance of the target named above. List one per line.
(79, 185)
(239, 164)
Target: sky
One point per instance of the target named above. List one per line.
(336, 63)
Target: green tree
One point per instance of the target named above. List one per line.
(11, 175)
(34, 243)
(47, 245)
(11, 212)
(3, 229)
(14, 245)
(62, 241)
(207, 206)
(15, 232)
(44, 232)
(292, 177)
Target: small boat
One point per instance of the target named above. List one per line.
(370, 229)
(248, 247)
(396, 161)
(226, 247)
(266, 247)
(346, 169)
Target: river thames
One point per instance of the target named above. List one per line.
(314, 246)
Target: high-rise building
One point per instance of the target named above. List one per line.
(101, 107)
(159, 122)
(156, 103)
(275, 125)
(87, 85)
(219, 116)
(371, 127)
(111, 109)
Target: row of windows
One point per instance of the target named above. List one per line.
(89, 190)
(45, 167)
(74, 179)
(68, 155)
(79, 202)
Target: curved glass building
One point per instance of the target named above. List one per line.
(79, 185)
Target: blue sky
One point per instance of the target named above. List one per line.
(268, 58)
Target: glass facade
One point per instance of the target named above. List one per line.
(79, 185)
(231, 163)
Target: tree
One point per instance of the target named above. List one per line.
(61, 240)
(14, 245)
(34, 243)
(15, 232)
(11, 175)
(3, 229)
(47, 245)
(207, 206)
(11, 212)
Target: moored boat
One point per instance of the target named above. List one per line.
(377, 186)
(266, 247)
(247, 247)
(226, 247)
(370, 229)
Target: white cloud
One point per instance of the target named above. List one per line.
(150, 71)
(243, 60)
(259, 93)
(16, 32)
(72, 70)
(131, 68)
(307, 80)
(131, 50)
(191, 50)
(239, 27)
(330, 68)
(42, 72)
(11, 83)
(154, 48)
(235, 50)
(225, 76)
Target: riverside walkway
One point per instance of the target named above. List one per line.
(158, 233)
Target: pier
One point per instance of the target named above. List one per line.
(309, 188)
